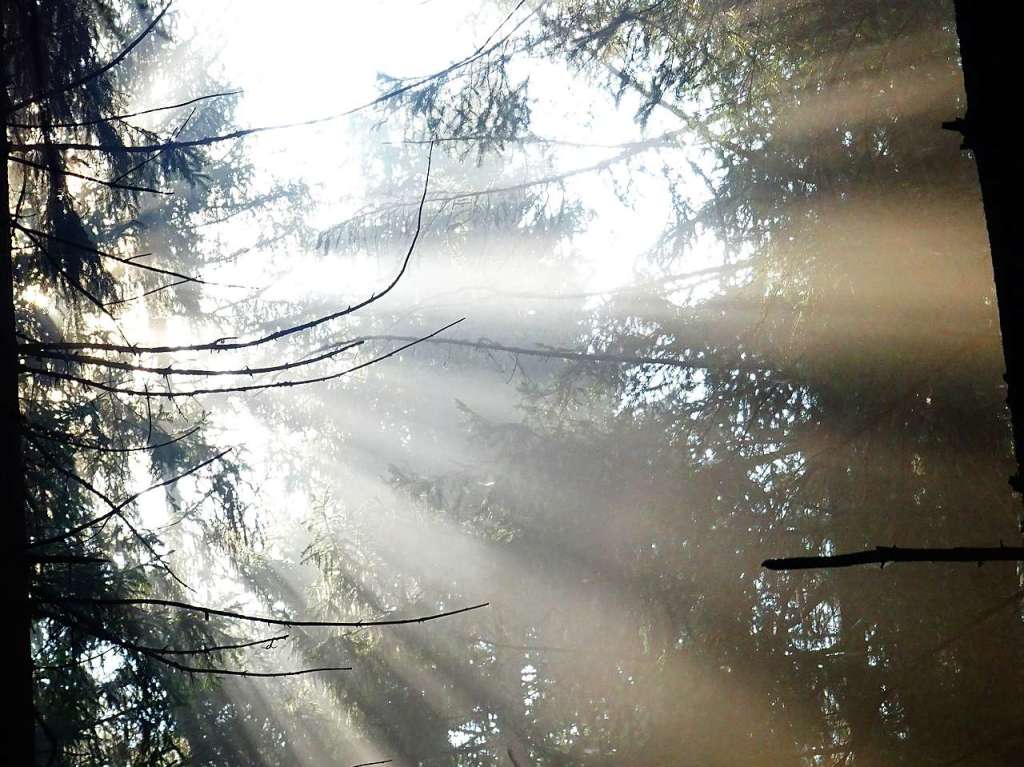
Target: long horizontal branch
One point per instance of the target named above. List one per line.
(208, 650)
(93, 179)
(240, 672)
(209, 611)
(553, 178)
(65, 440)
(167, 394)
(127, 115)
(224, 345)
(170, 370)
(97, 629)
(104, 254)
(560, 354)
(882, 555)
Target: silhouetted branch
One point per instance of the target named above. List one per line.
(125, 116)
(48, 435)
(208, 611)
(169, 370)
(268, 641)
(104, 254)
(105, 182)
(223, 345)
(150, 292)
(561, 354)
(882, 555)
(232, 389)
(157, 153)
(237, 672)
(115, 508)
(100, 631)
(96, 72)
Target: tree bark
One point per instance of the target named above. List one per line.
(19, 723)
(988, 32)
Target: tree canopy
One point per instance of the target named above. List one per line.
(473, 456)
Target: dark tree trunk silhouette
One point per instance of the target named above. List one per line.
(992, 133)
(987, 31)
(19, 724)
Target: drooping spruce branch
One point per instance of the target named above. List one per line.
(222, 344)
(128, 261)
(64, 440)
(883, 555)
(126, 115)
(116, 508)
(98, 72)
(484, 50)
(92, 179)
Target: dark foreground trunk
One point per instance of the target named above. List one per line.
(19, 721)
(989, 33)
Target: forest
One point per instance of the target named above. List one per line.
(535, 383)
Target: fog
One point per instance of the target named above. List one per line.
(749, 316)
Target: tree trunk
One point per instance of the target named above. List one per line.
(19, 723)
(988, 34)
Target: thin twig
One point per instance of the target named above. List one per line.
(208, 611)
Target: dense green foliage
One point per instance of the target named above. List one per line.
(105, 239)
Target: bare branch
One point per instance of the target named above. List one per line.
(231, 389)
(236, 672)
(267, 641)
(169, 370)
(142, 295)
(882, 555)
(209, 611)
(562, 354)
(100, 631)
